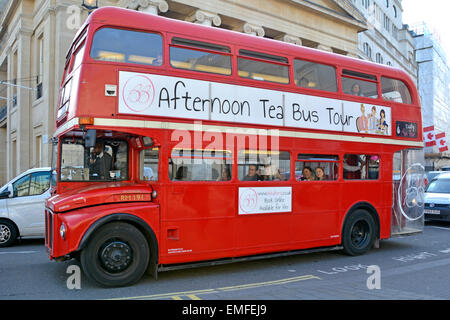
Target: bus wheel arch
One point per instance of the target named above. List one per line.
(360, 229)
(124, 220)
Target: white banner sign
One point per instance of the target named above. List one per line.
(155, 95)
(265, 200)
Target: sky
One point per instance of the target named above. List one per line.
(435, 13)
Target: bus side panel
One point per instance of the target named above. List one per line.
(316, 211)
(198, 221)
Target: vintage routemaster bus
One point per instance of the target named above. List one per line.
(179, 144)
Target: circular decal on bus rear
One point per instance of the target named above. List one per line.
(138, 93)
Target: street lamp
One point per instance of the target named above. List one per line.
(90, 4)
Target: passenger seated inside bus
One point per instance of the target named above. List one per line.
(226, 174)
(352, 166)
(320, 174)
(182, 173)
(252, 174)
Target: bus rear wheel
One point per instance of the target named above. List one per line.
(117, 255)
(358, 234)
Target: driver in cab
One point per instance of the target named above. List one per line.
(100, 162)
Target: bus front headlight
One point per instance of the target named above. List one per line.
(62, 231)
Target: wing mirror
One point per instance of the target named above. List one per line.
(8, 192)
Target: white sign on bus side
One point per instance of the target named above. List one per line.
(265, 200)
(156, 95)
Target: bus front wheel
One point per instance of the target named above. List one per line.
(358, 234)
(117, 255)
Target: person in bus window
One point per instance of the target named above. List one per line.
(373, 167)
(356, 90)
(252, 174)
(181, 174)
(148, 173)
(303, 82)
(226, 175)
(308, 174)
(320, 174)
(100, 162)
(157, 61)
(352, 166)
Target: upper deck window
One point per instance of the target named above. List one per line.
(395, 90)
(200, 56)
(313, 75)
(118, 45)
(359, 84)
(252, 65)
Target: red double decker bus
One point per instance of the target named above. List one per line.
(178, 144)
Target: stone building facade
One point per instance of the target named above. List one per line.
(387, 40)
(35, 35)
(433, 85)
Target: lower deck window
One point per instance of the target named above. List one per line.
(361, 167)
(316, 167)
(148, 164)
(200, 165)
(263, 165)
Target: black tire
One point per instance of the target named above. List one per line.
(117, 255)
(8, 233)
(358, 234)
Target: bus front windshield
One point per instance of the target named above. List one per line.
(106, 161)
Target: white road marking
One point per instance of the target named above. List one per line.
(18, 252)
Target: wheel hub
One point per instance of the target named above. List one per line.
(359, 234)
(116, 256)
(5, 233)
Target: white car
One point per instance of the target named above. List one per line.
(437, 198)
(22, 205)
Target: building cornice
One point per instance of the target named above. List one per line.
(353, 16)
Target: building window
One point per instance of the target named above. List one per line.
(365, 4)
(395, 11)
(40, 70)
(387, 22)
(379, 58)
(387, 3)
(367, 50)
(38, 162)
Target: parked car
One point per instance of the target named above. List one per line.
(437, 198)
(430, 175)
(22, 205)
